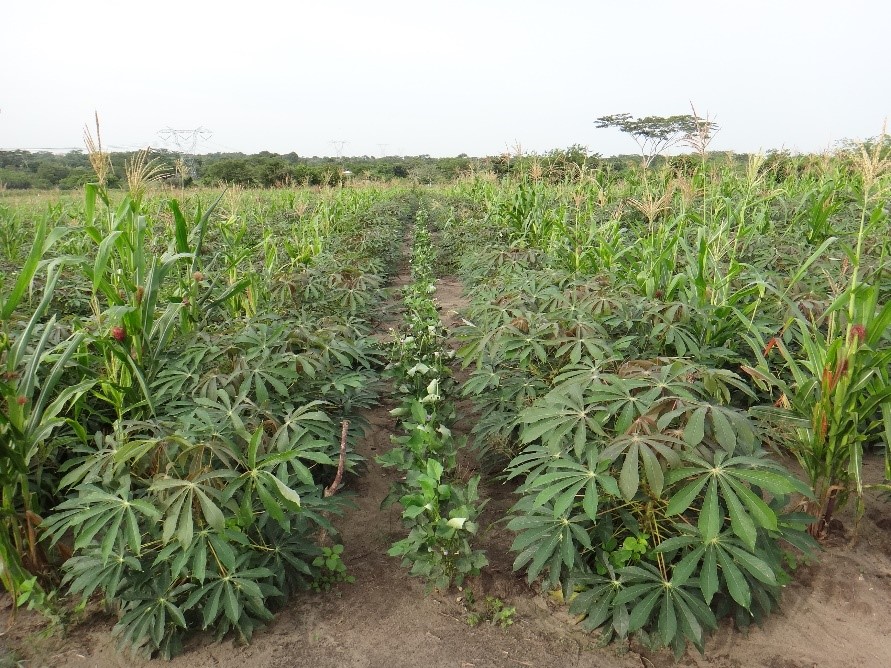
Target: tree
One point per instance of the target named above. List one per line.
(49, 174)
(656, 134)
(231, 170)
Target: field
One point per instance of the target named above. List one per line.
(606, 417)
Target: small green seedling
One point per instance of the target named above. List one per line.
(332, 570)
(493, 611)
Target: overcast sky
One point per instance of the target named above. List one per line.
(439, 77)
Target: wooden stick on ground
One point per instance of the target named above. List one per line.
(332, 489)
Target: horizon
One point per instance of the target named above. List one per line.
(839, 145)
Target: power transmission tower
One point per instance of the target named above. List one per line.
(338, 146)
(383, 148)
(185, 141)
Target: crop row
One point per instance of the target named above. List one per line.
(633, 359)
(439, 512)
(171, 440)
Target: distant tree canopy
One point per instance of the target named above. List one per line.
(44, 170)
(656, 134)
(23, 169)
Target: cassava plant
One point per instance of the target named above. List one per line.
(193, 490)
(653, 463)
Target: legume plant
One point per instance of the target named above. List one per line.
(440, 512)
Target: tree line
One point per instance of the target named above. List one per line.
(21, 169)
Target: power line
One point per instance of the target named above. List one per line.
(66, 149)
(49, 149)
(223, 148)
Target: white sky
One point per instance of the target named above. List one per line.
(439, 77)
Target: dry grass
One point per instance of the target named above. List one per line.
(652, 206)
(140, 171)
(873, 162)
(702, 135)
(100, 160)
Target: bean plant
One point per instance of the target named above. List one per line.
(440, 513)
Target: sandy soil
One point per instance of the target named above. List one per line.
(835, 613)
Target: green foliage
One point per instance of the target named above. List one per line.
(23, 170)
(331, 569)
(440, 515)
(10, 659)
(628, 485)
(631, 551)
(177, 419)
(175, 434)
(835, 394)
(612, 387)
(34, 597)
(491, 610)
(34, 402)
(192, 540)
(442, 519)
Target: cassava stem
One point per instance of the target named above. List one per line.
(332, 489)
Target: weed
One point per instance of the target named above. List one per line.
(491, 610)
(331, 569)
(11, 659)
